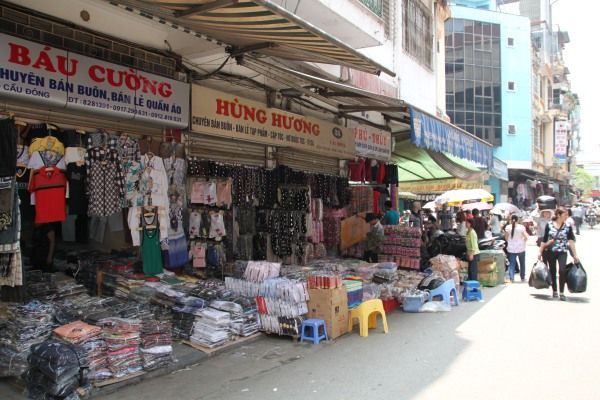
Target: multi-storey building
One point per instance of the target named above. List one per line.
(488, 83)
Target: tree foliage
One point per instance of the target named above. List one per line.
(584, 181)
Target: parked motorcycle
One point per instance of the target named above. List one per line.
(591, 220)
(492, 243)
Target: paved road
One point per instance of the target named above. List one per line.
(518, 344)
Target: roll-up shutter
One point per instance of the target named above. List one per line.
(88, 122)
(226, 150)
(307, 161)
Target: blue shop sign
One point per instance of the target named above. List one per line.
(434, 134)
(499, 169)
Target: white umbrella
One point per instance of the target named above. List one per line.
(430, 205)
(505, 208)
(479, 205)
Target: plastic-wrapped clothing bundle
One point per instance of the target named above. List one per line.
(56, 368)
(212, 328)
(12, 362)
(122, 337)
(77, 332)
(27, 325)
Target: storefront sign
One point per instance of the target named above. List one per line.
(372, 142)
(227, 115)
(439, 185)
(499, 169)
(431, 133)
(561, 140)
(61, 79)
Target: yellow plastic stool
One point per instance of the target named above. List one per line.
(366, 313)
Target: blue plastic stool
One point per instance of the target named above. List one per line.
(446, 290)
(472, 291)
(313, 333)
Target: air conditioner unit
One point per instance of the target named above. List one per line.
(512, 129)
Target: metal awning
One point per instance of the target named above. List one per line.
(259, 26)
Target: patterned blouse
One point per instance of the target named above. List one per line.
(561, 237)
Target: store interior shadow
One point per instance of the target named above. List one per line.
(570, 299)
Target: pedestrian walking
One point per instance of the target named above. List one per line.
(472, 250)
(445, 218)
(461, 223)
(495, 226)
(557, 241)
(374, 240)
(516, 239)
(578, 214)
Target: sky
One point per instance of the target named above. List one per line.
(578, 17)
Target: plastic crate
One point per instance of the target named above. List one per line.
(413, 303)
(390, 305)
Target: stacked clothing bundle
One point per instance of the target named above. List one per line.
(27, 325)
(40, 285)
(183, 325)
(12, 361)
(122, 337)
(56, 370)
(88, 338)
(125, 286)
(354, 288)
(142, 294)
(156, 342)
(67, 289)
(212, 328)
(244, 316)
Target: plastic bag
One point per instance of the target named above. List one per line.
(576, 278)
(540, 276)
(435, 306)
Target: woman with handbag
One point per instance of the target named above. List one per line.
(557, 241)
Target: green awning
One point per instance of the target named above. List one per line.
(417, 164)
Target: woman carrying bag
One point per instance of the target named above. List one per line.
(516, 239)
(558, 240)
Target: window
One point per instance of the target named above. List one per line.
(473, 78)
(417, 36)
(511, 86)
(511, 42)
(376, 6)
(512, 129)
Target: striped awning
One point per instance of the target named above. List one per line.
(260, 26)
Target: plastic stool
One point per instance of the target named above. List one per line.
(447, 290)
(313, 334)
(366, 313)
(472, 291)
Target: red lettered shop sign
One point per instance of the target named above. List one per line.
(61, 79)
(226, 115)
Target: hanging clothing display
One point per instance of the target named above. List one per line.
(49, 185)
(150, 242)
(178, 250)
(8, 147)
(76, 177)
(153, 183)
(105, 182)
(135, 215)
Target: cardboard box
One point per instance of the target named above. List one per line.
(486, 266)
(330, 305)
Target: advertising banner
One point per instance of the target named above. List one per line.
(229, 116)
(561, 140)
(372, 142)
(61, 79)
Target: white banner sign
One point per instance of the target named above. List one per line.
(561, 140)
(372, 142)
(231, 116)
(60, 79)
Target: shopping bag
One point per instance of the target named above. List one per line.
(576, 278)
(540, 276)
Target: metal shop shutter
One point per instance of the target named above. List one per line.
(226, 150)
(307, 161)
(64, 119)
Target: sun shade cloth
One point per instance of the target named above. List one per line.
(265, 27)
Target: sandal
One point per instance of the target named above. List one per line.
(563, 297)
(555, 295)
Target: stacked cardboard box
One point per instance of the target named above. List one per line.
(330, 305)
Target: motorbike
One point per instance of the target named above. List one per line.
(492, 243)
(591, 220)
(449, 243)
